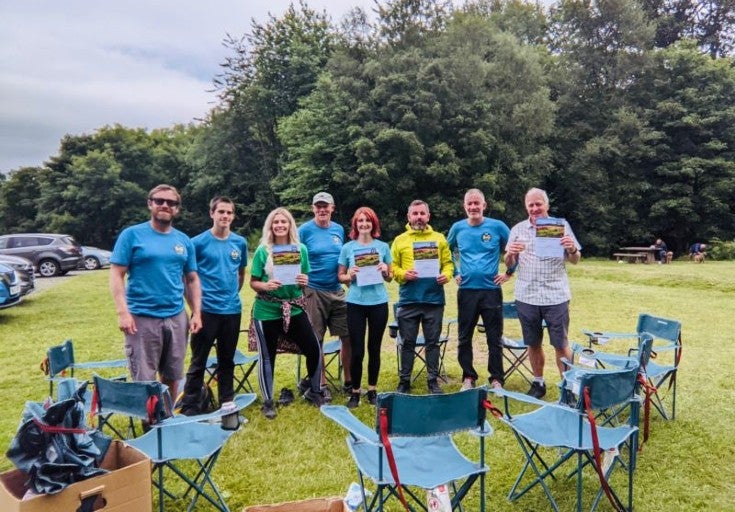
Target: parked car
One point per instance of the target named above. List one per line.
(51, 254)
(25, 268)
(9, 287)
(94, 258)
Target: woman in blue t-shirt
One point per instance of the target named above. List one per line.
(364, 265)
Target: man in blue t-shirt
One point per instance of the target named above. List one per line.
(160, 265)
(221, 260)
(476, 243)
(325, 298)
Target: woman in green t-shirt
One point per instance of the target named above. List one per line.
(279, 272)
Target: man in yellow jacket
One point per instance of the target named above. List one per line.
(422, 265)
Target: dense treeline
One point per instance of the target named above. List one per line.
(624, 110)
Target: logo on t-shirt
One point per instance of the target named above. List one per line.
(235, 255)
(337, 240)
(179, 249)
(486, 237)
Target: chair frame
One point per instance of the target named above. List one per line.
(587, 382)
(60, 358)
(332, 351)
(412, 440)
(245, 364)
(203, 434)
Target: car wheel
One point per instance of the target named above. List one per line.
(91, 263)
(48, 268)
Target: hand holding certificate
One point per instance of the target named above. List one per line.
(286, 263)
(549, 231)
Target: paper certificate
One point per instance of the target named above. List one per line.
(426, 259)
(549, 231)
(367, 260)
(286, 263)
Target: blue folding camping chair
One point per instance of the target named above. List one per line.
(577, 434)
(244, 366)
(173, 439)
(411, 446)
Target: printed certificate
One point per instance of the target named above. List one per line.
(426, 259)
(286, 263)
(549, 231)
(367, 260)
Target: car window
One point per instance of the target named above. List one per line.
(69, 240)
(4, 243)
(42, 240)
(25, 241)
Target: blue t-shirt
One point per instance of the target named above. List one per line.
(479, 250)
(219, 263)
(371, 294)
(324, 245)
(157, 263)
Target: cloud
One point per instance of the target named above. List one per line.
(73, 66)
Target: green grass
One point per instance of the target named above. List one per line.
(686, 465)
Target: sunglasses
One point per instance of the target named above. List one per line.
(171, 203)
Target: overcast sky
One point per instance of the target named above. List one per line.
(72, 66)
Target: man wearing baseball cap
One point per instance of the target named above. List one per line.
(325, 297)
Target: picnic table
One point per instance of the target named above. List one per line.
(636, 254)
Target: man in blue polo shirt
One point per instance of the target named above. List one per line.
(478, 241)
(160, 264)
(221, 260)
(325, 298)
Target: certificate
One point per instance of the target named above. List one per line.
(549, 231)
(367, 260)
(426, 259)
(286, 263)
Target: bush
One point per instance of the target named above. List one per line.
(721, 249)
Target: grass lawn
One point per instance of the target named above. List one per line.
(687, 464)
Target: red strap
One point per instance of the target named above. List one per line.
(150, 407)
(55, 429)
(649, 391)
(487, 404)
(94, 407)
(389, 454)
(596, 452)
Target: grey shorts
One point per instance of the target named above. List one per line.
(159, 347)
(327, 309)
(555, 318)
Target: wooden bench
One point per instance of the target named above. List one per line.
(631, 257)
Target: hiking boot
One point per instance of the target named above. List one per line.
(354, 400)
(467, 383)
(316, 398)
(372, 396)
(496, 384)
(326, 394)
(347, 388)
(404, 386)
(434, 387)
(286, 397)
(303, 385)
(537, 390)
(268, 409)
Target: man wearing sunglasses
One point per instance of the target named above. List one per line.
(160, 264)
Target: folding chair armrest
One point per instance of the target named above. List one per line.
(112, 363)
(240, 401)
(606, 335)
(342, 415)
(520, 397)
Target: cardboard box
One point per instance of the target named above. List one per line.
(126, 487)
(314, 505)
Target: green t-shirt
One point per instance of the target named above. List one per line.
(264, 310)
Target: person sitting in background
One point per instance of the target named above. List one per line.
(697, 252)
(662, 254)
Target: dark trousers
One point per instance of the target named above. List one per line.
(225, 330)
(359, 319)
(429, 318)
(488, 305)
(300, 332)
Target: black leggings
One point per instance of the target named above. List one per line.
(359, 319)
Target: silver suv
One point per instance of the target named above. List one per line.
(51, 254)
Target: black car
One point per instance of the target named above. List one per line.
(51, 254)
(25, 270)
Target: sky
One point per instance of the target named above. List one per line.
(73, 66)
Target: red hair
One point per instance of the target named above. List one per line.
(371, 216)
